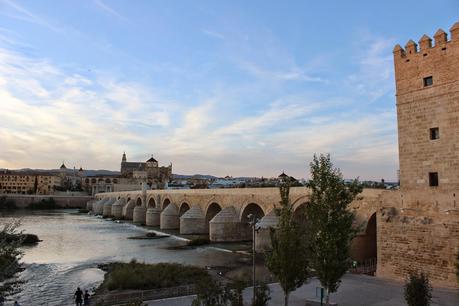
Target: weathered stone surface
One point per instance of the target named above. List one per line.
(263, 236)
(128, 210)
(153, 216)
(193, 221)
(107, 208)
(169, 218)
(225, 226)
(117, 208)
(139, 215)
(98, 207)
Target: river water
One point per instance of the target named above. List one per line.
(74, 244)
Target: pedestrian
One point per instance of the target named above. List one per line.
(2, 300)
(86, 298)
(78, 297)
(16, 303)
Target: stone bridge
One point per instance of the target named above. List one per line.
(223, 213)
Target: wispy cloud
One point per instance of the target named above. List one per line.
(293, 74)
(213, 34)
(24, 14)
(109, 10)
(374, 77)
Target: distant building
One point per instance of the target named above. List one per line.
(28, 183)
(150, 172)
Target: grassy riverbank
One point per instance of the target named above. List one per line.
(141, 276)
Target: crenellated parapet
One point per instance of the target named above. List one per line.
(425, 43)
(417, 61)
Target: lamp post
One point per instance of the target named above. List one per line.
(253, 221)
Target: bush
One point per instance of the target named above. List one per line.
(418, 291)
(143, 276)
(198, 241)
(262, 295)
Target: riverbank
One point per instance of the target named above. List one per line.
(73, 245)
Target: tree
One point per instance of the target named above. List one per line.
(288, 258)
(10, 254)
(329, 222)
(418, 291)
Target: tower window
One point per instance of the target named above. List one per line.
(428, 81)
(434, 133)
(433, 179)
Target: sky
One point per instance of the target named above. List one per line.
(240, 88)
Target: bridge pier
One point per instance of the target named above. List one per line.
(98, 207)
(107, 208)
(89, 204)
(225, 226)
(152, 217)
(139, 215)
(128, 210)
(263, 235)
(193, 222)
(169, 218)
(117, 209)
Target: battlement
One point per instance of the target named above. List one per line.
(425, 44)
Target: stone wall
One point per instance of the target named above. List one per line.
(417, 232)
(23, 201)
(420, 108)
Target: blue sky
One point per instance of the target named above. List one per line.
(218, 87)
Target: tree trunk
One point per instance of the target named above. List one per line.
(286, 299)
(327, 297)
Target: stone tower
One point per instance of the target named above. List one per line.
(427, 90)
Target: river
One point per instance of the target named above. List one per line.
(74, 244)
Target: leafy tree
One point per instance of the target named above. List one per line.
(418, 291)
(288, 258)
(329, 222)
(10, 254)
(211, 293)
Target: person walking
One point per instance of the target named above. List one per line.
(86, 298)
(16, 303)
(78, 297)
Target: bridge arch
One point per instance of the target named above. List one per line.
(251, 208)
(364, 246)
(211, 211)
(151, 203)
(299, 212)
(183, 208)
(138, 201)
(166, 202)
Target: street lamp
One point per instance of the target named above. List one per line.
(253, 221)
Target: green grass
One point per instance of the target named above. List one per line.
(142, 276)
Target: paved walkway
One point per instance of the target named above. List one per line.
(355, 290)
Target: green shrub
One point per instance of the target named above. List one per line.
(262, 295)
(418, 291)
(143, 276)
